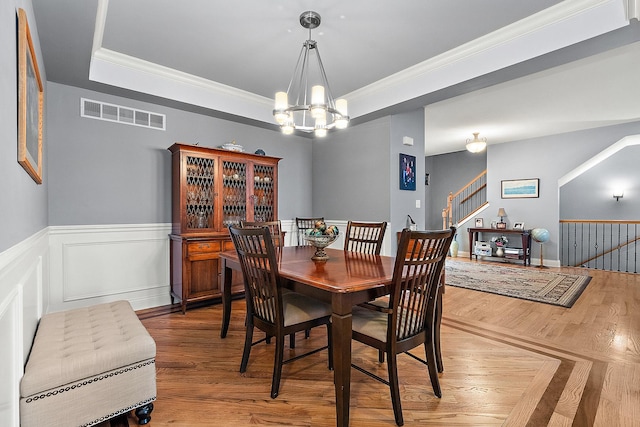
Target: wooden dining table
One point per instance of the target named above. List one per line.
(344, 280)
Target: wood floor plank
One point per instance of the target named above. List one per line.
(507, 362)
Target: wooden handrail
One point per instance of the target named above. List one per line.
(468, 184)
(474, 193)
(620, 246)
(447, 212)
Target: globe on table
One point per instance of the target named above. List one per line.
(540, 235)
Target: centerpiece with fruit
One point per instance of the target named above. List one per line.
(320, 237)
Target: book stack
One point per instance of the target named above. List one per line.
(515, 253)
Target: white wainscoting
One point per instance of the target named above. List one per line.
(103, 263)
(23, 281)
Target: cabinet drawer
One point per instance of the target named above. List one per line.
(228, 246)
(203, 247)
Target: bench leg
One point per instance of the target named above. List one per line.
(144, 413)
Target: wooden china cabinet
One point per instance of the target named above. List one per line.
(212, 189)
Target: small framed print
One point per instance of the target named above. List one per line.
(494, 224)
(407, 172)
(501, 225)
(518, 225)
(479, 223)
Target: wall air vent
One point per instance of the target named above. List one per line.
(117, 113)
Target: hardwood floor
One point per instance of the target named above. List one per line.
(508, 362)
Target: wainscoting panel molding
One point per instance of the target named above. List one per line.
(22, 282)
(96, 264)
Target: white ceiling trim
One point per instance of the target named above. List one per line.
(564, 24)
(627, 141)
(127, 72)
(633, 9)
(559, 26)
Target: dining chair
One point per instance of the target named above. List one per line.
(269, 309)
(275, 228)
(304, 224)
(365, 237)
(277, 236)
(409, 319)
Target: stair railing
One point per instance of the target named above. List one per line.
(612, 245)
(463, 204)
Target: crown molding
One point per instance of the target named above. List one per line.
(633, 9)
(561, 25)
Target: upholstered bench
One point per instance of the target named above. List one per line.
(88, 365)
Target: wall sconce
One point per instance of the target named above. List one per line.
(618, 194)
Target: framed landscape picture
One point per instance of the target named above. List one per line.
(407, 172)
(30, 99)
(520, 188)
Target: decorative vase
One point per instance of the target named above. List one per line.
(500, 251)
(454, 248)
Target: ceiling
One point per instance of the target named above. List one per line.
(509, 70)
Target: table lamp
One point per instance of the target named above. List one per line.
(501, 214)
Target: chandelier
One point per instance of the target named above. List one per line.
(313, 109)
(476, 144)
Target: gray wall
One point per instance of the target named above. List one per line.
(403, 202)
(447, 174)
(351, 173)
(595, 189)
(23, 203)
(548, 158)
(110, 173)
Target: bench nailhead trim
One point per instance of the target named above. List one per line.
(87, 382)
(122, 411)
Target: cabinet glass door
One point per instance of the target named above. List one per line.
(200, 189)
(263, 192)
(234, 186)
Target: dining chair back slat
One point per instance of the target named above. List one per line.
(304, 224)
(365, 237)
(275, 228)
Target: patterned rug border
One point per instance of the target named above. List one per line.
(542, 286)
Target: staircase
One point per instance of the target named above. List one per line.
(466, 202)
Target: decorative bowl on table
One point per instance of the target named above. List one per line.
(320, 239)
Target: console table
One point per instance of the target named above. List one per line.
(524, 234)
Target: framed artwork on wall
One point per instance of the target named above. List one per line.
(520, 188)
(30, 99)
(479, 222)
(407, 172)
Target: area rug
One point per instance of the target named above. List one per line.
(525, 283)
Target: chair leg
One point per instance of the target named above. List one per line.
(392, 366)
(292, 341)
(307, 332)
(436, 332)
(330, 345)
(431, 365)
(277, 366)
(380, 356)
(248, 339)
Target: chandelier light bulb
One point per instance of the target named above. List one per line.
(281, 106)
(342, 121)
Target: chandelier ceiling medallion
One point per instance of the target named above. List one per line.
(313, 109)
(476, 144)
